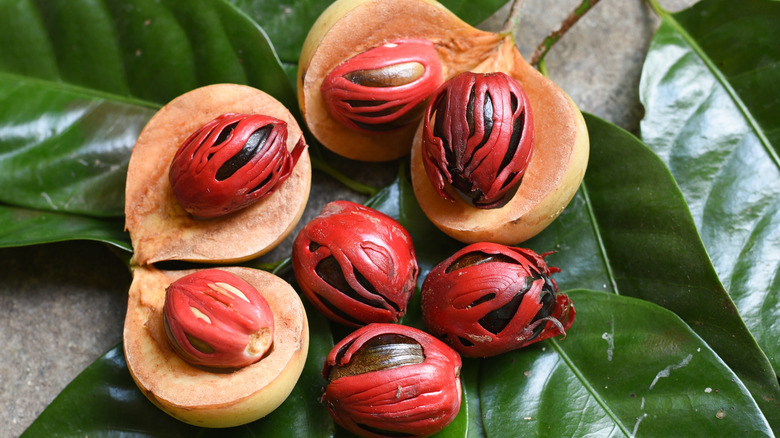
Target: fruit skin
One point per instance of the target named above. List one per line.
(552, 178)
(478, 135)
(204, 398)
(216, 320)
(487, 299)
(349, 27)
(160, 229)
(383, 88)
(368, 258)
(232, 162)
(415, 399)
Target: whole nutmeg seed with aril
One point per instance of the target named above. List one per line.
(478, 136)
(392, 380)
(216, 320)
(385, 87)
(221, 326)
(355, 264)
(231, 162)
(488, 298)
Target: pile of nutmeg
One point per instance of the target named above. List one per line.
(222, 174)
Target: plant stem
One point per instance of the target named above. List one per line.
(512, 19)
(575, 15)
(542, 66)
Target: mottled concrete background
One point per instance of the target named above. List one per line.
(62, 305)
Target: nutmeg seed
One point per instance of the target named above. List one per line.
(232, 162)
(488, 298)
(478, 136)
(356, 265)
(392, 380)
(215, 320)
(383, 88)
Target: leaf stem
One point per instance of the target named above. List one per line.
(541, 50)
(512, 19)
(272, 267)
(657, 7)
(319, 163)
(542, 66)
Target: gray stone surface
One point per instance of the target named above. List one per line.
(62, 305)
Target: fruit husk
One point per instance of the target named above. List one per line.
(349, 27)
(555, 172)
(160, 229)
(204, 398)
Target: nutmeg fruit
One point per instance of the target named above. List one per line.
(346, 31)
(162, 229)
(202, 397)
(551, 179)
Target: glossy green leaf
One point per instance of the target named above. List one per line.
(63, 148)
(627, 232)
(152, 50)
(626, 368)
(712, 108)
(79, 79)
(104, 401)
(652, 250)
(20, 226)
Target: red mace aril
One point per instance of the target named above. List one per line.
(488, 299)
(478, 136)
(392, 380)
(383, 88)
(356, 265)
(215, 320)
(232, 162)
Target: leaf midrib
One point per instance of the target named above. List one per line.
(599, 239)
(590, 388)
(76, 89)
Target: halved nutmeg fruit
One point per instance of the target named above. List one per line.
(219, 174)
(216, 322)
(368, 67)
(475, 205)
